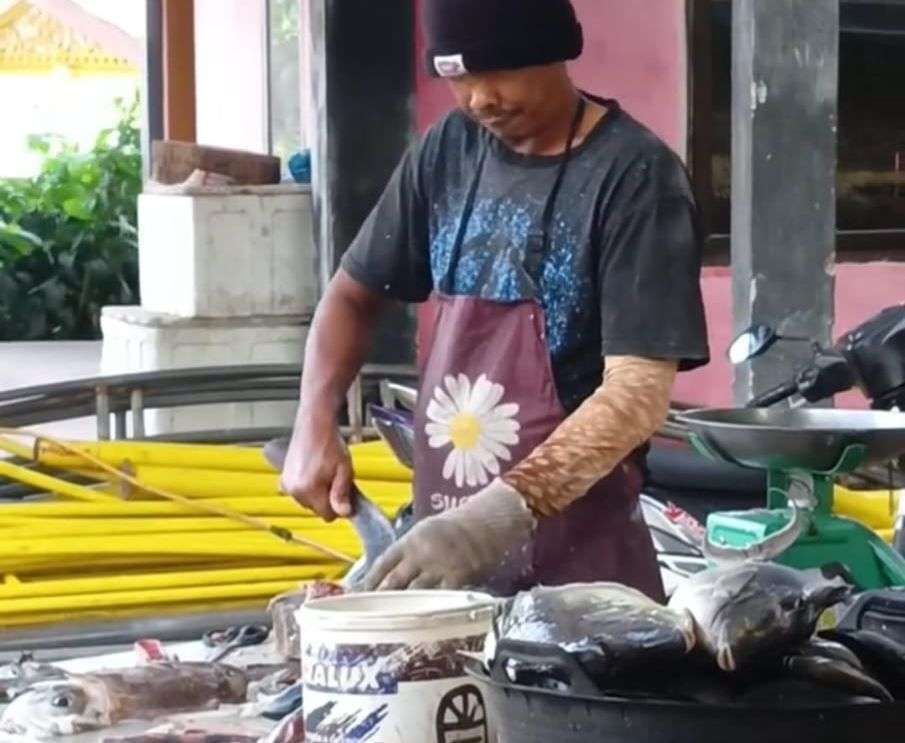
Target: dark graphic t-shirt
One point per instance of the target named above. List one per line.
(621, 274)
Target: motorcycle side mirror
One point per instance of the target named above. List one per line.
(752, 343)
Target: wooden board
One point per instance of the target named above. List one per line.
(173, 162)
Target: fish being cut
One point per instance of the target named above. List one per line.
(372, 526)
(88, 702)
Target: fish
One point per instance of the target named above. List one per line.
(84, 703)
(290, 730)
(836, 674)
(742, 612)
(190, 736)
(283, 704)
(17, 677)
(283, 608)
(374, 529)
(817, 647)
(393, 392)
(274, 684)
(397, 429)
(609, 628)
(881, 655)
(782, 693)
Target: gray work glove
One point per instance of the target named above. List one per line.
(459, 548)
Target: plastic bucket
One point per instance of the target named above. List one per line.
(385, 667)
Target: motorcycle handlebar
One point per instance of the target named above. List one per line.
(774, 395)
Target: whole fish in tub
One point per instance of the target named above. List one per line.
(745, 610)
(84, 703)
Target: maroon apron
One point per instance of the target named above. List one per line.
(487, 399)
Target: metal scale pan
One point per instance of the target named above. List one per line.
(814, 440)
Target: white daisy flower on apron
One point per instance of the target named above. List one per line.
(469, 417)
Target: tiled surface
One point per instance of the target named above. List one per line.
(33, 363)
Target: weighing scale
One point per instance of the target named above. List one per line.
(803, 450)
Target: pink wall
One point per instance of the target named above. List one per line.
(635, 51)
(862, 290)
(644, 71)
(640, 62)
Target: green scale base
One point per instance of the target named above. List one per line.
(827, 539)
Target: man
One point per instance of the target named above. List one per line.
(559, 238)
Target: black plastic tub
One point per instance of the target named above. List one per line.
(530, 715)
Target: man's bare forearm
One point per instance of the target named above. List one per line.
(337, 345)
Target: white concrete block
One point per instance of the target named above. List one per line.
(137, 340)
(236, 252)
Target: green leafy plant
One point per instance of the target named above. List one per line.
(68, 237)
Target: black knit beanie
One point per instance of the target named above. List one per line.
(482, 35)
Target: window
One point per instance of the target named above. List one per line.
(284, 66)
(871, 137)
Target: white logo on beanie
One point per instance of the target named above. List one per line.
(452, 65)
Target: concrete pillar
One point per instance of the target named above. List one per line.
(785, 90)
(362, 87)
(152, 82)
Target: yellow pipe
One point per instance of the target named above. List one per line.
(243, 544)
(52, 567)
(15, 547)
(125, 565)
(191, 594)
(198, 483)
(138, 453)
(280, 506)
(16, 449)
(43, 619)
(874, 508)
(276, 506)
(51, 484)
(389, 496)
(85, 524)
(101, 527)
(203, 483)
(388, 470)
(208, 482)
(154, 581)
(188, 456)
(263, 526)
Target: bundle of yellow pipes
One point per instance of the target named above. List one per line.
(166, 528)
(169, 528)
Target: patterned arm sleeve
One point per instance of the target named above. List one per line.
(624, 412)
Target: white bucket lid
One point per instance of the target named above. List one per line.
(397, 610)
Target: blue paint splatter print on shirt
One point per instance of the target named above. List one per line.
(621, 273)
